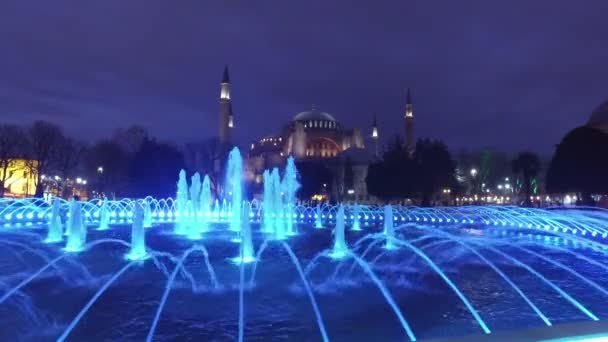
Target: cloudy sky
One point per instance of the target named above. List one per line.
(511, 74)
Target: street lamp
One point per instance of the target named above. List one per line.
(100, 169)
(473, 172)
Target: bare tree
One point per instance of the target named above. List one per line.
(68, 157)
(12, 141)
(131, 138)
(44, 139)
(209, 158)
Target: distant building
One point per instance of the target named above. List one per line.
(314, 136)
(20, 180)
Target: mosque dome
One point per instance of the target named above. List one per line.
(313, 115)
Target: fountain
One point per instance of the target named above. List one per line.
(77, 230)
(55, 233)
(147, 213)
(205, 203)
(356, 209)
(246, 254)
(104, 215)
(138, 235)
(340, 249)
(545, 265)
(181, 207)
(289, 187)
(389, 227)
(318, 214)
(233, 185)
(269, 205)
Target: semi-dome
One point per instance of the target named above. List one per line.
(313, 115)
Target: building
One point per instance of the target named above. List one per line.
(313, 136)
(410, 144)
(19, 181)
(226, 119)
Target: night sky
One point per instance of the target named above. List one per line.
(511, 74)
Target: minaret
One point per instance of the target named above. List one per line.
(409, 125)
(226, 120)
(375, 137)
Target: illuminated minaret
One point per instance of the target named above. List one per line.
(409, 125)
(375, 137)
(226, 121)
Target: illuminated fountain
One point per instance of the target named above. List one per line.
(389, 227)
(76, 230)
(147, 220)
(234, 177)
(476, 269)
(340, 248)
(318, 218)
(289, 187)
(138, 235)
(269, 205)
(181, 204)
(104, 215)
(55, 233)
(205, 204)
(356, 210)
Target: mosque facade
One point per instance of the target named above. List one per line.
(314, 136)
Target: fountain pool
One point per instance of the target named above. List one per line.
(448, 272)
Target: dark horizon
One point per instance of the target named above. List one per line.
(514, 76)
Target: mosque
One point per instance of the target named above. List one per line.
(314, 136)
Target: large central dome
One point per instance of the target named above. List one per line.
(313, 115)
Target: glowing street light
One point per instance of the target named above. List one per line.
(473, 172)
(100, 169)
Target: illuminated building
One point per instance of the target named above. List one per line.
(226, 118)
(314, 136)
(20, 180)
(409, 125)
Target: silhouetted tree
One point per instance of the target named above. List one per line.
(393, 176)
(313, 176)
(68, 159)
(131, 138)
(527, 165)
(154, 169)
(43, 141)
(208, 158)
(12, 143)
(108, 168)
(580, 164)
(435, 168)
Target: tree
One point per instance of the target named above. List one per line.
(580, 164)
(315, 177)
(130, 139)
(435, 168)
(68, 158)
(208, 157)
(12, 142)
(107, 166)
(393, 176)
(43, 141)
(154, 169)
(527, 165)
